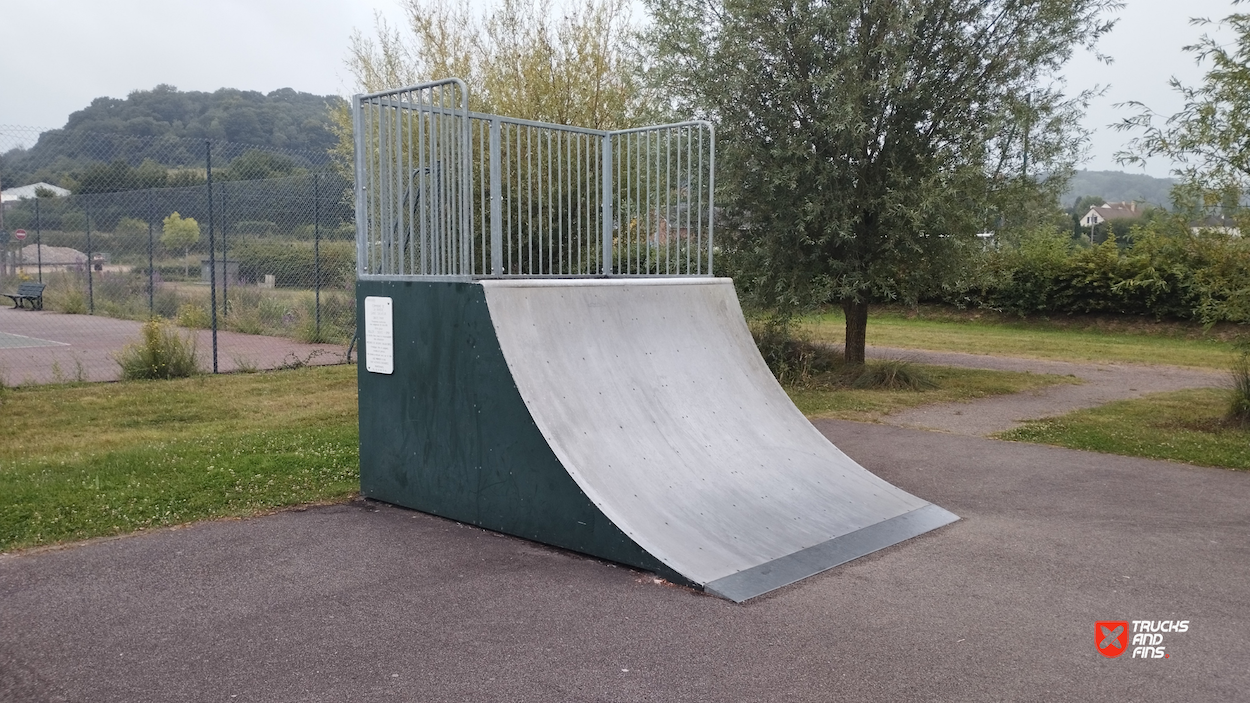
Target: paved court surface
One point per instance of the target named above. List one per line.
(46, 347)
(362, 602)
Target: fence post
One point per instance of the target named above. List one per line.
(90, 265)
(212, 248)
(151, 275)
(496, 203)
(317, 249)
(39, 238)
(606, 166)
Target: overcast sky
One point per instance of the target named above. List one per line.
(55, 57)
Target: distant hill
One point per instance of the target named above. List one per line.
(162, 126)
(1118, 186)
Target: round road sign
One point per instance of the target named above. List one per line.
(20, 234)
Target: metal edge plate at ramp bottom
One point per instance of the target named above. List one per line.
(795, 567)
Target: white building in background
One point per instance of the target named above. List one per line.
(12, 195)
(1111, 211)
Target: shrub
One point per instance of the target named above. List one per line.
(293, 264)
(894, 375)
(1239, 400)
(193, 315)
(1167, 272)
(161, 352)
(793, 359)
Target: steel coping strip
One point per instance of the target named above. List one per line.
(789, 569)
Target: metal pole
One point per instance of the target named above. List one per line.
(151, 274)
(496, 203)
(317, 248)
(39, 238)
(606, 168)
(90, 265)
(212, 247)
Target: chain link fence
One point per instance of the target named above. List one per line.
(254, 245)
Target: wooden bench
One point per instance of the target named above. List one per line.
(31, 291)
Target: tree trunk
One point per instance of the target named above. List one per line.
(856, 330)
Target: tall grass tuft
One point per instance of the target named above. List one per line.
(1239, 398)
(894, 375)
(161, 352)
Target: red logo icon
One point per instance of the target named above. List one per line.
(1111, 636)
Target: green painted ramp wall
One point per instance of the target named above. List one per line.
(448, 434)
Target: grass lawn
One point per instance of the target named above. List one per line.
(1181, 426)
(938, 329)
(98, 459)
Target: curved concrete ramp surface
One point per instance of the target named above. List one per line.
(654, 398)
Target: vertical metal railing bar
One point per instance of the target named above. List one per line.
(581, 224)
(562, 207)
(505, 156)
(389, 194)
(446, 181)
(496, 203)
(426, 198)
(466, 189)
(529, 196)
(440, 186)
(412, 205)
(483, 189)
(689, 207)
(669, 239)
(700, 201)
(711, 195)
(550, 226)
(392, 191)
(379, 190)
(647, 242)
(635, 183)
(520, 193)
(605, 203)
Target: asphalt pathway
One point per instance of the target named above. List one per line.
(1100, 384)
(363, 601)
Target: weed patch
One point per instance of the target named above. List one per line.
(161, 352)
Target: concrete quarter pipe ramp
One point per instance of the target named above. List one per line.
(631, 419)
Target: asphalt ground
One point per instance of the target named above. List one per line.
(1100, 384)
(363, 601)
(52, 347)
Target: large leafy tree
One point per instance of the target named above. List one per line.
(1208, 140)
(863, 143)
(520, 58)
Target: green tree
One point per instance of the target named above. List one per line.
(861, 145)
(520, 58)
(1206, 140)
(1081, 207)
(257, 164)
(178, 232)
(131, 226)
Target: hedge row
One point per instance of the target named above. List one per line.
(1167, 272)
